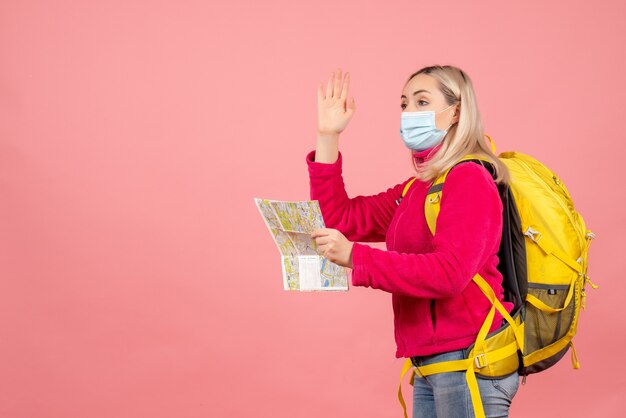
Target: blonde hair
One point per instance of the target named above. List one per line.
(464, 137)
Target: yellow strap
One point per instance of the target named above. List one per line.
(537, 303)
(566, 259)
(588, 280)
(405, 367)
(445, 367)
(575, 363)
(406, 188)
(431, 210)
(479, 350)
(491, 295)
(550, 249)
(470, 376)
(431, 204)
(501, 353)
(479, 345)
(459, 365)
(449, 366)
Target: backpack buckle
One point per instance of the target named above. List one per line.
(480, 360)
(434, 198)
(531, 233)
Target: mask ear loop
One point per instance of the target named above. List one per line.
(453, 123)
(443, 110)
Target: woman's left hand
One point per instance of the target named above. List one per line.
(334, 246)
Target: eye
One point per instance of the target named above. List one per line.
(423, 101)
(403, 106)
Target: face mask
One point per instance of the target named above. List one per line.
(418, 130)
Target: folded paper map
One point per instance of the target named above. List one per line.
(291, 225)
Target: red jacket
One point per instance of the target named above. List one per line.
(437, 307)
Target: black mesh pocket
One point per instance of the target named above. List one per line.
(544, 328)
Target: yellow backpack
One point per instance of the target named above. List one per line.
(543, 261)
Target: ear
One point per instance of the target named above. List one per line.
(457, 111)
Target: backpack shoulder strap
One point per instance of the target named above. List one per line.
(433, 196)
(408, 185)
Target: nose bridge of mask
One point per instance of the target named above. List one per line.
(422, 118)
(425, 118)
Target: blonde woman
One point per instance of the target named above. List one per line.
(438, 310)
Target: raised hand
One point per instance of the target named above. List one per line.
(333, 109)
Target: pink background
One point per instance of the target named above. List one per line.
(137, 277)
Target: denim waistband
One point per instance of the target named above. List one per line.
(435, 358)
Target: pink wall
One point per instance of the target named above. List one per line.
(136, 275)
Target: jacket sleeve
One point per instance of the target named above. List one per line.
(361, 218)
(468, 232)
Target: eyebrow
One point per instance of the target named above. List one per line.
(415, 92)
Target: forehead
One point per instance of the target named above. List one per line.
(421, 82)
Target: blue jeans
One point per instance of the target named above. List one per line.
(446, 395)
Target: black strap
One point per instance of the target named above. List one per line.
(439, 187)
(435, 188)
(486, 164)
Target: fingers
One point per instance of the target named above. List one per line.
(346, 84)
(329, 86)
(350, 107)
(322, 245)
(319, 232)
(337, 83)
(321, 241)
(322, 237)
(334, 87)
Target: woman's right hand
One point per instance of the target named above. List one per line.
(333, 114)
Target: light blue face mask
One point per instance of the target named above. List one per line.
(418, 130)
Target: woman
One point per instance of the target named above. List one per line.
(438, 310)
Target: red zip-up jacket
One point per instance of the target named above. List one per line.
(437, 307)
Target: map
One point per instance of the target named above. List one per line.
(291, 225)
